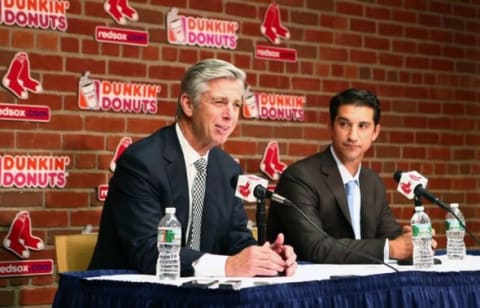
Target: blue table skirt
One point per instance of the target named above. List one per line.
(403, 289)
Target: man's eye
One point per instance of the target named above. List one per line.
(364, 125)
(237, 105)
(220, 102)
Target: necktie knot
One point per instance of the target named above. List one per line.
(350, 187)
(201, 165)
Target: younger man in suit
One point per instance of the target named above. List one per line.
(159, 171)
(318, 186)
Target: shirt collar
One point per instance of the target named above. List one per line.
(189, 154)
(346, 176)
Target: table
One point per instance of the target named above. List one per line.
(452, 284)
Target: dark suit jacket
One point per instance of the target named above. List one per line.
(150, 176)
(314, 184)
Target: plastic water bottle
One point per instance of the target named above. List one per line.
(422, 239)
(168, 242)
(455, 233)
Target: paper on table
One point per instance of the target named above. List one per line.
(309, 272)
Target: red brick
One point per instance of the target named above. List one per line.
(22, 39)
(32, 140)
(334, 21)
(66, 199)
(105, 124)
(47, 41)
(21, 199)
(83, 142)
(85, 217)
(36, 296)
(7, 298)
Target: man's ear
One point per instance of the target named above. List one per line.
(376, 132)
(187, 105)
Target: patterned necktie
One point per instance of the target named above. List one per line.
(354, 213)
(198, 193)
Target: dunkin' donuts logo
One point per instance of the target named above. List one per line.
(117, 96)
(203, 32)
(25, 171)
(277, 107)
(39, 14)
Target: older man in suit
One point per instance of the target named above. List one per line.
(339, 195)
(159, 171)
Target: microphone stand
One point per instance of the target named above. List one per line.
(417, 200)
(261, 221)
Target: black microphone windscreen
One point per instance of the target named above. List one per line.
(234, 181)
(260, 192)
(397, 175)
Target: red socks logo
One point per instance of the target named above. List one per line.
(19, 238)
(271, 164)
(272, 27)
(119, 9)
(18, 79)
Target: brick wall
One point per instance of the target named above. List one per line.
(422, 58)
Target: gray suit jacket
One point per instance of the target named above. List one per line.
(150, 176)
(314, 184)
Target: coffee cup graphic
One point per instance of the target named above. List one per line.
(88, 93)
(250, 108)
(176, 30)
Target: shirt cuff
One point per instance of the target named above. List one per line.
(210, 265)
(386, 252)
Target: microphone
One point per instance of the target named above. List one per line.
(261, 192)
(412, 184)
(245, 185)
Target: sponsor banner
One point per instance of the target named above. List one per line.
(117, 96)
(11, 112)
(121, 36)
(102, 192)
(31, 171)
(26, 268)
(38, 14)
(198, 31)
(275, 53)
(279, 107)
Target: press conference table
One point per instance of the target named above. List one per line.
(450, 284)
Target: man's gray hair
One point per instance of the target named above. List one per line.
(194, 82)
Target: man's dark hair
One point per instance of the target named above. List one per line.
(355, 97)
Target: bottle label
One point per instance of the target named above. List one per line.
(169, 236)
(422, 230)
(453, 225)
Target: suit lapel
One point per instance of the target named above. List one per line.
(366, 200)
(213, 193)
(181, 196)
(335, 183)
(176, 172)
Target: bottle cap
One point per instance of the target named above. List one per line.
(170, 210)
(419, 208)
(453, 205)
